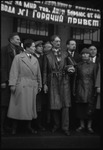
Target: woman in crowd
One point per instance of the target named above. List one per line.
(84, 90)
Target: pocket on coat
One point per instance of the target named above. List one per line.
(18, 92)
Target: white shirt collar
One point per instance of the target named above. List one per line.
(38, 55)
(28, 54)
(72, 53)
(94, 59)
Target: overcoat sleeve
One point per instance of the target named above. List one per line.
(39, 79)
(4, 65)
(14, 71)
(45, 71)
(97, 84)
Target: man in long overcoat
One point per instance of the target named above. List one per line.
(25, 83)
(7, 55)
(56, 82)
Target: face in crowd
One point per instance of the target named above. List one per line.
(85, 56)
(47, 47)
(93, 51)
(32, 48)
(29, 46)
(15, 40)
(71, 46)
(56, 42)
(39, 49)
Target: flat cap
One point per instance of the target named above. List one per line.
(12, 35)
(38, 43)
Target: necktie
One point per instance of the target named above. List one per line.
(72, 54)
(91, 59)
(29, 55)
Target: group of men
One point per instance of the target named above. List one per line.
(47, 84)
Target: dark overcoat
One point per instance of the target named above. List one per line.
(40, 95)
(85, 82)
(75, 59)
(57, 81)
(97, 85)
(7, 57)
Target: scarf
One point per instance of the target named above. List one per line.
(57, 54)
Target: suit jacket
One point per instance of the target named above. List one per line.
(97, 61)
(77, 57)
(40, 59)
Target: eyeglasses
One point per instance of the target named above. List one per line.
(93, 49)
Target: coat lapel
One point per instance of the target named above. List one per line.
(30, 63)
(52, 60)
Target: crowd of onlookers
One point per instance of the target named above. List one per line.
(42, 84)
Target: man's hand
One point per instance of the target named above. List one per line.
(71, 69)
(39, 90)
(13, 88)
(45, 88)
(3, 85)
(98, 90)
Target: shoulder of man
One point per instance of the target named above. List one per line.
(5, 47)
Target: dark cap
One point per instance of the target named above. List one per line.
(85, 50)
(12, 35)
(38, 43)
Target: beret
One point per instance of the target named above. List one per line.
(85, 50)
(38, 43)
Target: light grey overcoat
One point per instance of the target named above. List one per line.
(26, 76)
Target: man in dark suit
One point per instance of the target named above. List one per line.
(38, 53)
(71, 49)
(75, 57)
(7, 55)
(94, 56)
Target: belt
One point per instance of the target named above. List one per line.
(58, 73)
